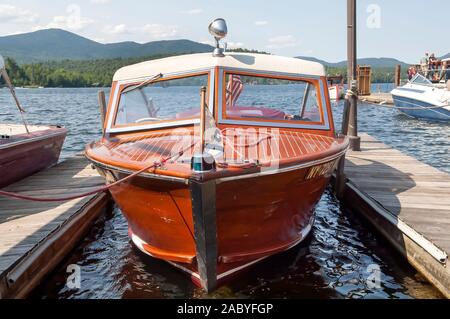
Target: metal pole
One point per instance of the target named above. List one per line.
(13, 93)
(202, 119)
(352, 94)
(349, 116)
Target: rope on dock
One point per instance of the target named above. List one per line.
(105, 188)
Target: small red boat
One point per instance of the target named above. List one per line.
(238, 167)
(23, 154)
(25, 149)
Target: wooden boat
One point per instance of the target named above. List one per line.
(22, 154)
(25, 149)
(239, 168)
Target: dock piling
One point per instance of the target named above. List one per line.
(102, 107)
(398, 75)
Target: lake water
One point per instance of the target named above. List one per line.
(335, 262)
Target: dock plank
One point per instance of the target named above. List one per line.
(24, 225)
(377, 173)
(416, 194)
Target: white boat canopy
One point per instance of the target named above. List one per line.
(203, 61)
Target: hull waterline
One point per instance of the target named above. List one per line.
(421, 110)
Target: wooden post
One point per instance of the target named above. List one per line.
(102, 107)
(398, 74)
(205, 231)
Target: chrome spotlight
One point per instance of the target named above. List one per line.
(218, 29)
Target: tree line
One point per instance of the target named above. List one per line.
(69, 73)
(99, 73)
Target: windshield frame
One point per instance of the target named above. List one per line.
(121, 86)
(316, 81)
(418, 75)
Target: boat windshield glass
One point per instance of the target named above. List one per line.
(165, 100)
(264, 98)
(421, 80)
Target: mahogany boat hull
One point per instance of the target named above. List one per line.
(251, 217)
(28, 154)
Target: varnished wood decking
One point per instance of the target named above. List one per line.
(401, 195)
(35, 237)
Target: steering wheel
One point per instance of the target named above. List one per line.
(147, 119)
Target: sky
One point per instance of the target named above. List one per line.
(402, 29)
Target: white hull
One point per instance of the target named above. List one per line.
(336, 92)
(423, 101)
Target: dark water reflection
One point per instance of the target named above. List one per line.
(334, 263)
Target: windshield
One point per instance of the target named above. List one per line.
(166, 100)
(421, 80)
(263, 98)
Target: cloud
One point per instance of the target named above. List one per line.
(100, 1)
(10, 13)
(117, 29)
(193, 11)
(282, 41)
(73, 21)
(146, 32)
(160, 31)
(261, 23)
(230, 44)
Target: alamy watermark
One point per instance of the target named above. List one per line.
(374, 19)
(73, 281)
(373, 280)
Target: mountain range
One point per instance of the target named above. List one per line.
(57, 45)
(374, 62)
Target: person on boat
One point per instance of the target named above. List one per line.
(432, 66)
(424, 63)
(412, 71)
(445, 71)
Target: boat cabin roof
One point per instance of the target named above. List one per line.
(205, 61)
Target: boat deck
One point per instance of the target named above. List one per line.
(13, 133)
(408, 201)
(35, 237)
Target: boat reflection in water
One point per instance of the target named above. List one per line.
(235, 180)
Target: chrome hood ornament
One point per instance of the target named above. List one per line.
(219, 30)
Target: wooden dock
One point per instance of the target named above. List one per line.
(35, 237)
(407, 201)
(378, 98)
